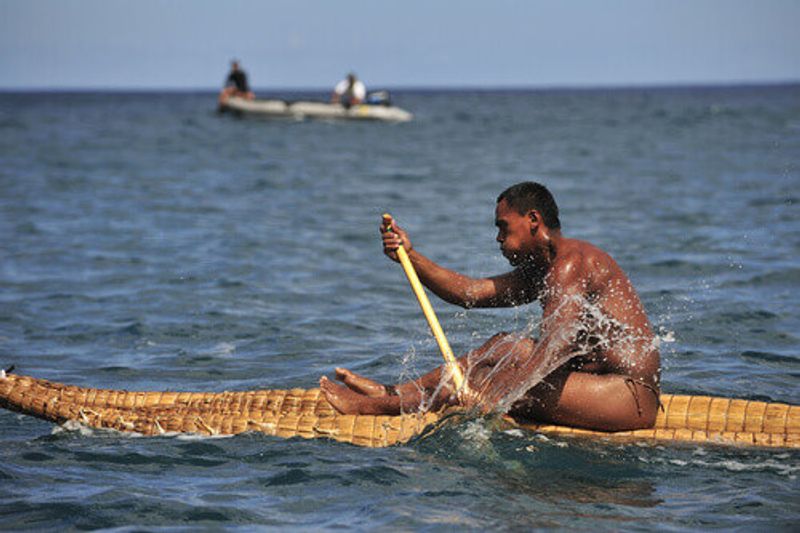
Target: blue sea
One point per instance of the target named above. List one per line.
(147, 243)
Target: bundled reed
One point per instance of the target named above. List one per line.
(306, 413)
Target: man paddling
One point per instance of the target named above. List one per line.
(595, 364)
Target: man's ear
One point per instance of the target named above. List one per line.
(535, 219)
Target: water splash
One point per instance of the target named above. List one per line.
(501, 372)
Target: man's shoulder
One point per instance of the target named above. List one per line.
(568, 264)
(573, 250)
(578, 258)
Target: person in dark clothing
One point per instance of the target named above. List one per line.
(236, 84)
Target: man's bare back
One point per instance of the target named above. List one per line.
(616, 333)
(595, 363)
(611, 382)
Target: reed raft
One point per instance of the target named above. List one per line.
(306, 413)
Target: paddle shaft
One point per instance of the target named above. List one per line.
(427, 310)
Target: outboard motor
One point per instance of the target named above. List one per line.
(379, 98)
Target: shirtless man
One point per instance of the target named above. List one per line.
(595, 364)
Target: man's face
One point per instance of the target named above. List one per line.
(513, 234)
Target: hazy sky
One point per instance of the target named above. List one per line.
(411, 43)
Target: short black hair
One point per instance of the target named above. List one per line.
(529, 195)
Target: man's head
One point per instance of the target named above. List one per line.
(235, 64)
(531, 196)
(526, 216)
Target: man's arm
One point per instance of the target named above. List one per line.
(338, 91)
(359, 92)
(505, 290)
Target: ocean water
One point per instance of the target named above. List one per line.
(147, 243)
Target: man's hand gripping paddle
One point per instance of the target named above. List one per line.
(430, 315)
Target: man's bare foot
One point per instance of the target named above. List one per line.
(360, 384)
(347, 401)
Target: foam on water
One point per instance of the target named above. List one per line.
(787, 468)
(84, 430)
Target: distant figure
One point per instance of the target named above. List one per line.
(236, 84)
(349, 92)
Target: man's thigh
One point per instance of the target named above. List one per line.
(502, 347)
(606, 402)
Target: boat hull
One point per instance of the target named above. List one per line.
(300, 110)
(306, 413)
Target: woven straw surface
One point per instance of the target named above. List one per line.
(306, 413)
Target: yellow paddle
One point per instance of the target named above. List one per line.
(430, 315)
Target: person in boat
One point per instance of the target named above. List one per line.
(236, 84)
(349, 92)
(595, 363)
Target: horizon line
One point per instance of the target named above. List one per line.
(423, 88)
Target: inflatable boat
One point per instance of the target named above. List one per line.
(299, 110)
(306, 413)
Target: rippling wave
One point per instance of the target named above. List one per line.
(151, 244)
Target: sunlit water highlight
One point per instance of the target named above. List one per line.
(149, 244)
